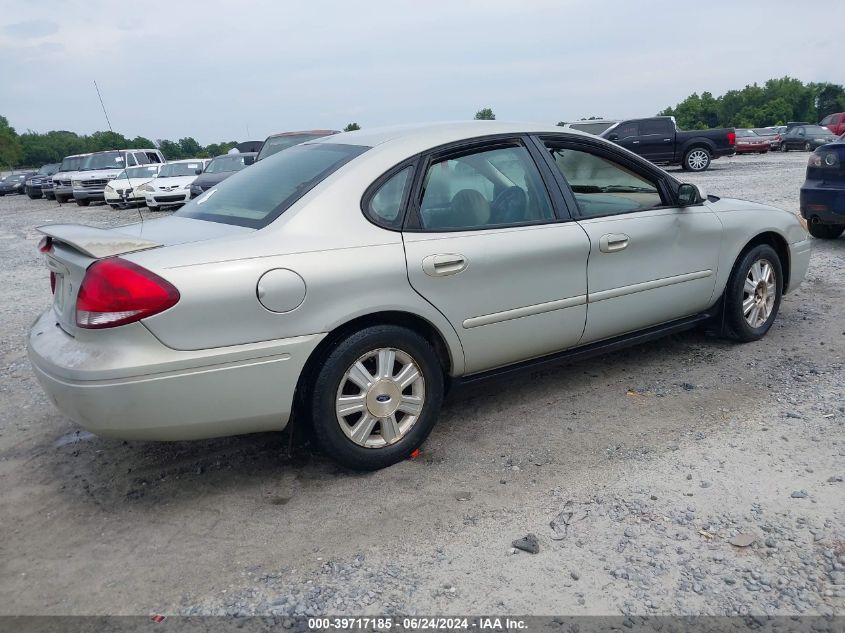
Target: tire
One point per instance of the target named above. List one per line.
(764, 290)
(783, 147)
(825, 231)
(807, 147)
(83, 203)
(61, 199)
(33, 196)
(697, 159)
(372, 348)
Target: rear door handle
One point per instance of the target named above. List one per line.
(442, 265)
(635, 142)
(613, 242)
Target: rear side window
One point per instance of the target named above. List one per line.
(256, 196)
(660, 126)
(484, 189)
(385, 205)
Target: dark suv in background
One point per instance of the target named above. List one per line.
(36, 183)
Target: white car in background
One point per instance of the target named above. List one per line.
(124, 190)
(172, 187)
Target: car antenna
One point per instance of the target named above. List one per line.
(125, 162)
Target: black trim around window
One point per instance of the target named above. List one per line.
(378, 183)
(413, 223)
(666, 185)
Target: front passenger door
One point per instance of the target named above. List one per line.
(651, 261)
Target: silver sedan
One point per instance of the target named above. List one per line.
(354, 279)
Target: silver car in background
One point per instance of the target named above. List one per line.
(355, 278)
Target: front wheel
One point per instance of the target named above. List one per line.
(807, 147)
(697, 159)
(783, 147)
(376, 397)
(753, 293)
(826, 231)
(83, 203)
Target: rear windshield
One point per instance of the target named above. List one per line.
(258, 195)
(276, 144)
(592, 128)
(171, 170)
(233, 162)
(740, 132)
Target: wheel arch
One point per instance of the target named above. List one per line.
(698, 141)
(779, 244)
(400, 318)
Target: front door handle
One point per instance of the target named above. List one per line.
(613, 242)
(442, 265)
(635, 142)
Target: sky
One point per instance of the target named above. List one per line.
(243, 69)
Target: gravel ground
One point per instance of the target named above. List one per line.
(635, 472)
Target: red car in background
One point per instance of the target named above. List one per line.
(748, 141)
(772, 135)
(834, 122)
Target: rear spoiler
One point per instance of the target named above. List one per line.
(94, 242)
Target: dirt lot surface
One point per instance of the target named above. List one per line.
(648, 462)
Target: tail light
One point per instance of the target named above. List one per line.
(731, 138)
(46, 244)
(116, 292)
(824, 159)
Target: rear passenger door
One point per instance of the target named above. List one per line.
(650, 261)
(491, 248)
(657, 140)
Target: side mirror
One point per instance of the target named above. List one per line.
(198, 171)
(688, 195)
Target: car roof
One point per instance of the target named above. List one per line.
(235, 154)
(298, 132)
(421, 136)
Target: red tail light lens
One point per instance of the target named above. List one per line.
(46, 244)
(731, 138)
(116, 292)
(53, 282)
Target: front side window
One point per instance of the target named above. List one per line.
(258, 195)
(624, 130)
(385, 206)
(488, 188)
(604, 187)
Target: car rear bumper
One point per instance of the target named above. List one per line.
(825, 202)
(126, 384)
(745, 149)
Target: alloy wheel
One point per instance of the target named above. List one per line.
(380, 398)
(697, 160)
(759, 293)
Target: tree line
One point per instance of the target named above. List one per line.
(774, 103)
(33, 149)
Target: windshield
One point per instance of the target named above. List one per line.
(171, 170)
(142, 171)
(71, 163)
(105, 160)
(230, 162)
(47, 170)
(746, 132)
(276, 144)
(267, 189)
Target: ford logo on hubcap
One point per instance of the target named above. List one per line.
(382, 397)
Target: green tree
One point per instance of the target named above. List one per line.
(141, 142)
(830, 98)
(170, 150)
(10, 145)
(189, 147)
(485, 114)
(351, 127)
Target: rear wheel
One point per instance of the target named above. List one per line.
(826, 231)
(376, 397)
(697, 159)
(783, 147)
(753, 294)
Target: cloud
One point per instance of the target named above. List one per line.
(31, 29)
